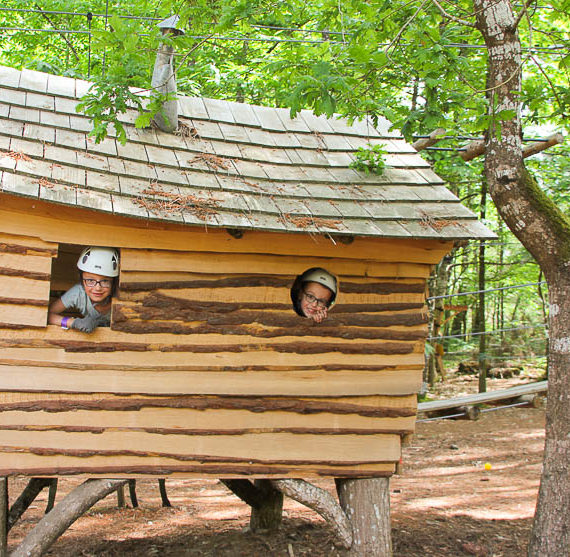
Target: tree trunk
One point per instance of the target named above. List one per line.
(545, 232)
(320, 501)
(438, 287)
(366, 503)
(481, 317)
(267, 516)
(3, 516)
(53, 524)
(550, 536)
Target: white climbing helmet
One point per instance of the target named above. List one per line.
(323, 277)
(100, 261)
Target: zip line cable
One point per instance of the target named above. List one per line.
(539, 326)
(554, 48)
(486, 290)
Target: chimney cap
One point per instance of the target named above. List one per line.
(170, 24)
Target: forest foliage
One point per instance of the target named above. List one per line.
(401, 60)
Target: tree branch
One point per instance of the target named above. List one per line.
(320, 501)
(69, 44)
(524, 11)
(452, 17)
(246, 491)
(53, 524)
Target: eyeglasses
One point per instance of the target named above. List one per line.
(103, 283)
(314, 300)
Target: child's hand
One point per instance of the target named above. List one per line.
(85, 324)
(318, 315)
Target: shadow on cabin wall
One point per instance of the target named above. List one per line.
(64, 273)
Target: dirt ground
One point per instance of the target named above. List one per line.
(445, 503)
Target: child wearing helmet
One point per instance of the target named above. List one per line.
(314, 293)
(91, 297)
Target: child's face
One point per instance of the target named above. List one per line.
(97, 287)
(314, 298)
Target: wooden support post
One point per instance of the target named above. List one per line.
(366, 503)
(3, 517)
(432, 139)
(268, 515)
(51, 495)
(133, 493)
(163, 494)
(121, 504)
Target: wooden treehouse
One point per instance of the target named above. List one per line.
(206, 369)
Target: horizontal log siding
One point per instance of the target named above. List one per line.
(207, 371)
(25, 272)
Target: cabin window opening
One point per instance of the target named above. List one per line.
(84, 283)
(314, 293)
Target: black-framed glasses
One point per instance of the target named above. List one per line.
(314, 300)
(103, 283)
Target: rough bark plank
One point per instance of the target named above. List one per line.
(26, 315)
(373, 287)
(77, 226)
(252, 404)
(392, 271)
(471, 412)
(277, 448)
(52, 525)
(25, 302)
(348, 380)
(320, 501)
(26, 245)
(127, 318)
(298, 347)
(40, 264)
(127, 325)
(200, 470)
(23, 273)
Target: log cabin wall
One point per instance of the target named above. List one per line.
(207, 370)
(25, 273)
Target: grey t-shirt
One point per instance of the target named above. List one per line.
(76, 298)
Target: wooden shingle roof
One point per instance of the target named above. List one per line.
(235, 166)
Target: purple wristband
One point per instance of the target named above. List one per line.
(64, 321)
